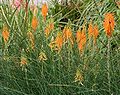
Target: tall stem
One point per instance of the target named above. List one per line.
(108, 63)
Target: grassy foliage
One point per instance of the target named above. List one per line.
(68, 72)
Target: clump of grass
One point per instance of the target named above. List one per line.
(37, 61)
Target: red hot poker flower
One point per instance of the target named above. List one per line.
(81, 39)
(90, 30)
(67, 34)
(44, 11)
(34, 23)
(109, 24)
(5, 34)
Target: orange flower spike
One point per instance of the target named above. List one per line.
(5, 34)
(49, 28)
(44, 11)
(90, 30)
(83, 38)
(96, 33)
(109, 24)
(82, 41)
(34, 23)
(67, 34)
(78, 36)
(59, 41)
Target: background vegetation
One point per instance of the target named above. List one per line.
(65, 73)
